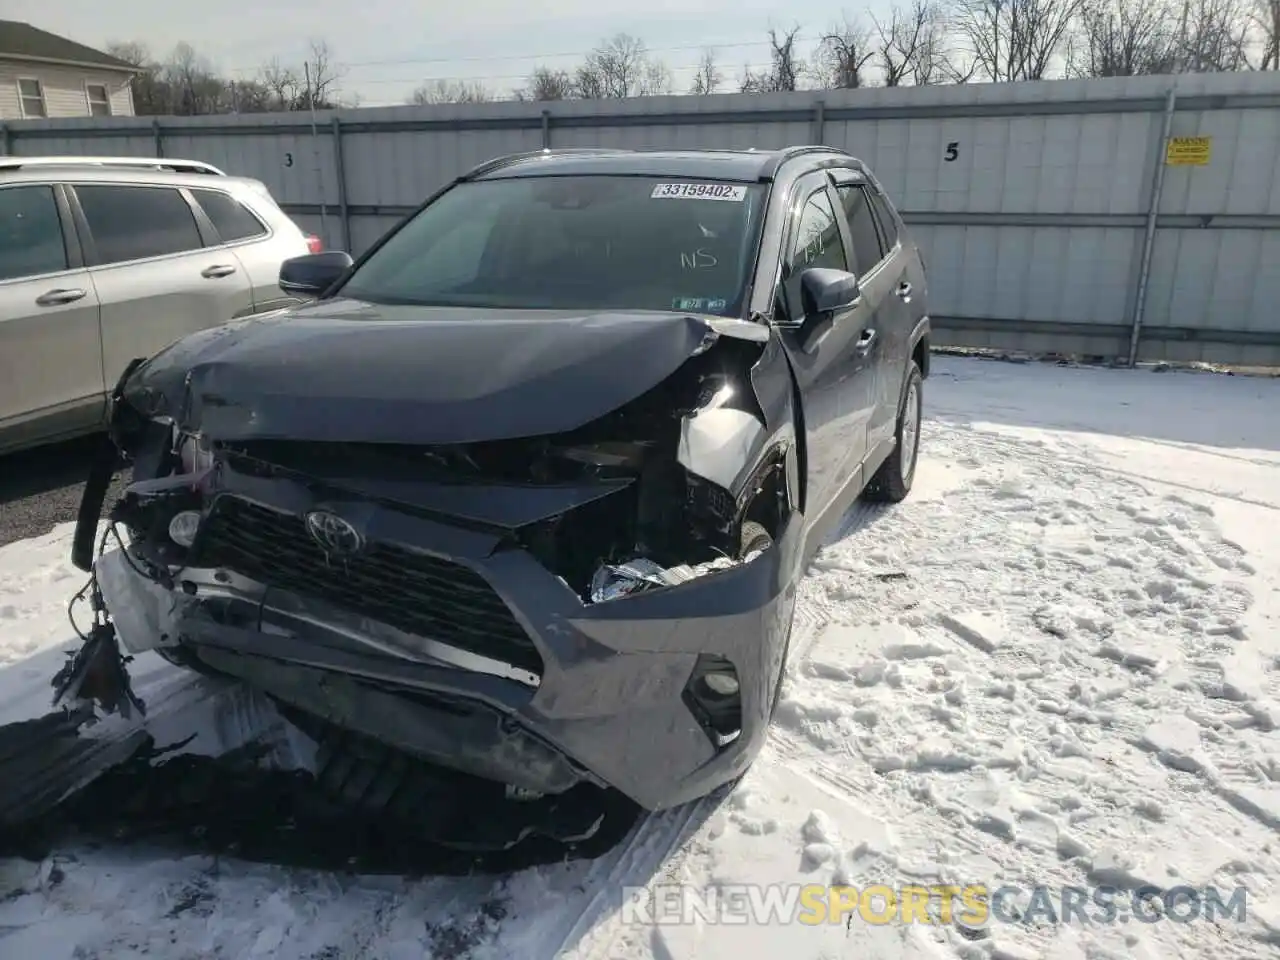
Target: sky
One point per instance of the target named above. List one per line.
(389, 47)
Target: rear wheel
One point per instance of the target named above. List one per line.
(893, 480)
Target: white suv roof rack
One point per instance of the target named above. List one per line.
(136, 163)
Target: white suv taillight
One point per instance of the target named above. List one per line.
(314, 244)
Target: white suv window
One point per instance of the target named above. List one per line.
(30, 233)
(131, 223)
(230, 217)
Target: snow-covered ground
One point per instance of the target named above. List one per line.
(1057, 664)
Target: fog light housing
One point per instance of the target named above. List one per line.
(721, 683)
(184, 526)
(714, 696)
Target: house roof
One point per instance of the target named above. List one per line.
(22, 41)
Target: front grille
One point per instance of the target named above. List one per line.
(422, 595)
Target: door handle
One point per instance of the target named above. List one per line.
(864, 342)
(904, 290)
(60, 296)
(217, 270)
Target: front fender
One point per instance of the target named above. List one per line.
(728, 441)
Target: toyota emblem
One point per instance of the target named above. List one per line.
(335, 536)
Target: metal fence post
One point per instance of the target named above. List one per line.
(157, 138)
(546, 129)
(819, 121)
(340, 171)
(1149, 238)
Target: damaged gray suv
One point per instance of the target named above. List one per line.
(517, 506)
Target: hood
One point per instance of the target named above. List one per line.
(345, 371)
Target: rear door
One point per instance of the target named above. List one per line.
(257, 248)
(50, 345)
(835, 377)
(905, 307)
(155, 279)
(880, 273)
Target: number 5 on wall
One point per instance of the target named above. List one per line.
(953, 151)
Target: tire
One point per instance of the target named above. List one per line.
(752, 538)
(892, 482)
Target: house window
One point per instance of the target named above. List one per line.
(31, 95)
(99, 102)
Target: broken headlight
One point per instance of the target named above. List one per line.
(612, 581)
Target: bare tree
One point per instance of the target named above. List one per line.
(843, 56)
(1125, 38)
(912, 46)
(283, 84)
(621, 67)
(251, 96)
(196, 89)
(186, 83)
(656, 81)
(321, 77)
(1213, 35)
(1016, 39)
(450, 91)
(708, 78)
(548, 84)
(785, 67)
(151, 94)
(1266, 17)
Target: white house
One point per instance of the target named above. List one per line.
(45, 75)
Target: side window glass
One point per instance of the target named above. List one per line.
(130, 223)
(230, 217)
(862, 227)
(815, 243)
(30, 233)
(888, 224)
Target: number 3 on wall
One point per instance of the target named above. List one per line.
(953, 151)
(288, 159)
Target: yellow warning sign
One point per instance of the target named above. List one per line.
(1188, 151)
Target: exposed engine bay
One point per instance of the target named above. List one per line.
(378, 590)
(649, 505)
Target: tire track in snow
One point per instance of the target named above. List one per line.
(653, 851)
(1121, 610)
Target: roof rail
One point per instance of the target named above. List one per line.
(497, 163)
(790, 153)
(137, 163)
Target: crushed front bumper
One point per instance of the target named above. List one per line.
(442, 640)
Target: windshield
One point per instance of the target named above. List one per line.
(572, 243)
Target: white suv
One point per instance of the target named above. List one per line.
(104, 259)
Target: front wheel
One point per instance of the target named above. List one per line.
(893, 480)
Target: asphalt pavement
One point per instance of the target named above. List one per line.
(40, 488)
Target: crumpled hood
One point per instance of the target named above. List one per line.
(343, 371)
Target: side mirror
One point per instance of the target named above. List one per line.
(824, 291)
(313, 273)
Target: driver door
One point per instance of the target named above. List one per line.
(828, 355)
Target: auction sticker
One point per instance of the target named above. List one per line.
(734, 192)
